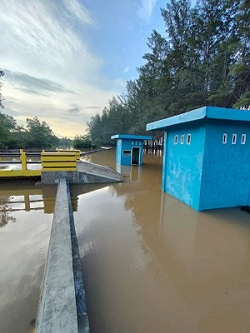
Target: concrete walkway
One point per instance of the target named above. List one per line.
(62, 307)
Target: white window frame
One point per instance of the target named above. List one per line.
(224, 138)
(182, 139)
(243, 139)
(188, 139)
(234, 139)
(176, 139)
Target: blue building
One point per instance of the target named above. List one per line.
(206, 159)
(129, 148)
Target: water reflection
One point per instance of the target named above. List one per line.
(131, 172)
(5, 216)
(23, 253)
(20, 197)
(153, 264)
(24, 249)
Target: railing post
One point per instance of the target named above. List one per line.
(23, 159)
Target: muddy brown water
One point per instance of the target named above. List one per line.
(150, 263)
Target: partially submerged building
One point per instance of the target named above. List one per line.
(129, 148)
(206, 159)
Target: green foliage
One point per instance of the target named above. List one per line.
(65, 143)
(7, 125)
(83, 141)
(203, 59)
(39, 134)
(36, 134)
(114, 119)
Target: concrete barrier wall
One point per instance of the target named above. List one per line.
(87, 173)
(62, 306)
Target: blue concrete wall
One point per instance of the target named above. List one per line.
(126, 144)
(226, 173)
(164, 161)
(182, 168)
(119, 151)
(207, 173)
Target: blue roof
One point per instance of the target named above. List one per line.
(131, 137)
(210, 112)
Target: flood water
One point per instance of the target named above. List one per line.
(150, 263)
(25, 224)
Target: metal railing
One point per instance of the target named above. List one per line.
(50, 161)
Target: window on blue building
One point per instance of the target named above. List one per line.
(182, 139)
(127, 152)
(224, 138)
(234, 139)
(176, 139)
(243, 139)
(188, 139)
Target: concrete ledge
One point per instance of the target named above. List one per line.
(87, 173)
(51, 177)
(100, 171)
(83, 322)
(58, 308)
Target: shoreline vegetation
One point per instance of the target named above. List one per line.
(202, 59)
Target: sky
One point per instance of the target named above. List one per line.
(65, 59)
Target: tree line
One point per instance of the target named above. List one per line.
(202, 59)
(35, 135)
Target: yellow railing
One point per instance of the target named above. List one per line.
(77, 152)
(63, 160)
(59, 161)
(24, 172)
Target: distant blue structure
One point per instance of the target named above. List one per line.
(129, 148)
(206, 159)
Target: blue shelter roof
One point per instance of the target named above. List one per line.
(210, 112)
(131, 137)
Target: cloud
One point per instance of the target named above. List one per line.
(50, 70)
(59, 110)
(78, 11)
(146, 8)
(10, 112)
(33, 85)
(74, 109)
(46, 37)
(126, 70)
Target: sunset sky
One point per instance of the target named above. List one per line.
(64, 59)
